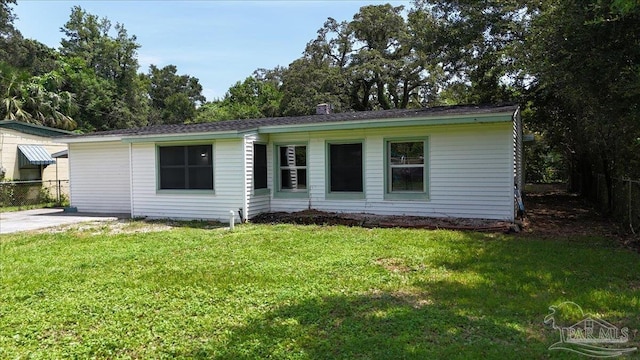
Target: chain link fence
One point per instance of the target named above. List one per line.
(624, 205)
(30, 194)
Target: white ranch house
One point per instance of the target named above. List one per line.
(460, 161)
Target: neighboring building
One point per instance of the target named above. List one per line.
(26, 152)
(459, 161)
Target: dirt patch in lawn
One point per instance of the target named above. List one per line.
(393, 265)
(121, 226)
(551, 212)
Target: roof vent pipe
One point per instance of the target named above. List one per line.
(323, 109)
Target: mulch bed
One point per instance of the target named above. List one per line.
(551, 213)
(315, 217)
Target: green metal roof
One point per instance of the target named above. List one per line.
(34, 155)
(33, 129)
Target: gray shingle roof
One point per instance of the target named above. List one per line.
(249, 124)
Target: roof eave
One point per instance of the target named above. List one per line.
(183, 137)
(393, 122)
(503, 115)
(50, 132)
(87, 139)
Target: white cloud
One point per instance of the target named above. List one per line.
(212, 94)
(145, 60)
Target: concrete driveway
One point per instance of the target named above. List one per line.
(11, 222)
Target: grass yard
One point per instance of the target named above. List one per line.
(5, 209)
(302, 292)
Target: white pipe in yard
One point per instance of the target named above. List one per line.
(231, 219)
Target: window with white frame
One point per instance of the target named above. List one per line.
(406, 167)
(292, 168)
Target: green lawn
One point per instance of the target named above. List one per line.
(5, 209)
(303, 292)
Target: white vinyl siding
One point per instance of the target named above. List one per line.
(258, 201)
(228, 185)
(99, 174)
(470, 174)
(470, 170)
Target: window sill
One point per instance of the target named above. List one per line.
(185, 192)
(291, 194)
(407, 196)
(261, 192)
(345, 195)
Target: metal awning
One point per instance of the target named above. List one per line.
(34, 155)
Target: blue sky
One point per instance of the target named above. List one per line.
(219, 42)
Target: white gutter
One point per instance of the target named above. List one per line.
(131, 179)
(182, 136)
(86, 139)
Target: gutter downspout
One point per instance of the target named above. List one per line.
(131, 179)
(2, 169)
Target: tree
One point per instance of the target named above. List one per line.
(108, 65)
(36, 99)
(24, 54)
(174, 98)
(378, 60)
(384, 68)
(478, 44)
(584, 59)
(7, 18)
(307, 83)
(252, 98)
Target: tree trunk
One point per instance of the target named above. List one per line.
(382, 98)
(608, 180)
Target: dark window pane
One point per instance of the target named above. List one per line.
(293, 156)
(186, 167)
(407, 179)
(302, 179)
(301, 156)
(287, 179)
(199, 155)
(287, 156)
(201, 178)
(406, 153)
(346, 167)
(172, 178)
(259, 166)
(293, 179)
(171, 155)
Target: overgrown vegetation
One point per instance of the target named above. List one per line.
(15, 196)
(301, 292)
(543, 163)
